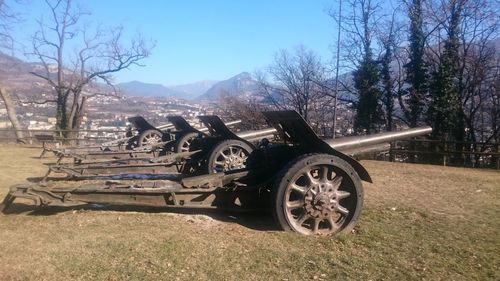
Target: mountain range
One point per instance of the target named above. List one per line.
(141, 89)
(15, 73)
(195, 89)
(242, 85)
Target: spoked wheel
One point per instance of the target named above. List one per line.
(182, 145)
(228, 155)
(149, 137)
(318, 194)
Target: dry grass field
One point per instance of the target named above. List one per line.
(420, 222)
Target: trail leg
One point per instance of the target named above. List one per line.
(44, 149)
(61, 156)
(7, 201)
(44, 179)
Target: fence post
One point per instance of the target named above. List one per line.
(391, 151)
(30, 135)
(444, 153)
(498, 158)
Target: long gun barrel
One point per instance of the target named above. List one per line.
(355, 143)
(351, 144)
(204, 129)
(257, 134)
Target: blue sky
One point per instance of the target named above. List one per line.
(214, 40)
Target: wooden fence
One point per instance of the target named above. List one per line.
(85, 137)
(462, 154)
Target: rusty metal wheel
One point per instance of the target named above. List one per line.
(150, 137)
(318, 194)
(228, 155)
(182, 145)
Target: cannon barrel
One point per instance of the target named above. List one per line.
(366, 150)
(204, 129)
(257, 134)
(354, 143)
(230, 123)
(350, 144)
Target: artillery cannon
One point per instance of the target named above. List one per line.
(176, 137)
(140, 132)
(209, 149)
(310, 187)
(147, 135)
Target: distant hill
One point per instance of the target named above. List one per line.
(15, 76)
(241, 85)
(194, 90)
(141, 89)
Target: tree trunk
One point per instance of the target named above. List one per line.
(11, 113)
(61, 117)
(75, 118)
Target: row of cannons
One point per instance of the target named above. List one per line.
(310, 185)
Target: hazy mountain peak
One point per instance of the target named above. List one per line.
(195, 89)
(242, 85)
(142, 89)
(243, 75)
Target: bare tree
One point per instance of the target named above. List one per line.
(249, 111)
(95, 59)
(478, 73)
(295, 81)
(6, 42)
(361, 23)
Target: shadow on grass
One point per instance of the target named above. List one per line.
(260, 219)
(36, 157)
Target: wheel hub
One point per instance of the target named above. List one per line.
(152, 139)
(320, 201)
(233, 162)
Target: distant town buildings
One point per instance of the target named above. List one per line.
(107, 113)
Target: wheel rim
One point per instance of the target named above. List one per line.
(186, 144)
(230, 158)
(151, 138)
(318, 200)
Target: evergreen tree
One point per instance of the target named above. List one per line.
(416, 70)
(446, 111)
(366, 79)
(388, 85)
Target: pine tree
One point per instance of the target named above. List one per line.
(388, 85)
(446, 112)
(366, 79)
(416, 69)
